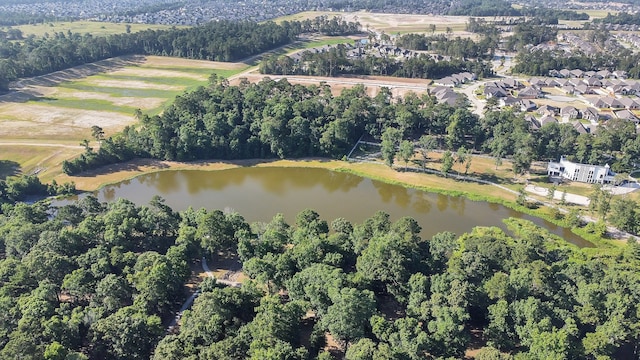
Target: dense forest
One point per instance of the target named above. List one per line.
(338, 61)
(278, 119)
(219, 41)
(103, 281)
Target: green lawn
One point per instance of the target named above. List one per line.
(122, 91)
(86, 104)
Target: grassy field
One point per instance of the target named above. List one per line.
(43, 124)
(596, 14)
(82, 27)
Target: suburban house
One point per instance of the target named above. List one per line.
(548, 110)
(591, 114)
(447, 95)
(533, 122)
(579, 127)
(547, 120)
(527, 105)
(585, 173)
(569, 112)
(508, 101)
(626, 115)
(530, 93)
(629, 103)
(494, 91)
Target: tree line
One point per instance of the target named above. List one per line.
(337, 61)
(444, 45)
(101, 281)
(219, 41)
(279, 119)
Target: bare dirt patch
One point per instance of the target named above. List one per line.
(162, 61)
(398, 86)
(151, 72)
(407, 22)
(42, 120)
(134, 84)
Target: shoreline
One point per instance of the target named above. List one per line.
(97, 179)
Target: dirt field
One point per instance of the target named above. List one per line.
(49, 115)
(391, 23)
(398, 86)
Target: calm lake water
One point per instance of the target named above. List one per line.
(260, 193)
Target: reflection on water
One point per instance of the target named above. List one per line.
(259, 193)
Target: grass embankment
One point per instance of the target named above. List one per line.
(94, 28)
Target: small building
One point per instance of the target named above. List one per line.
(585, 173)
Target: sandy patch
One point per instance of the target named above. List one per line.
(383, 21)
(134, 84)
(163, 61)
(40, 118)
(150, 72)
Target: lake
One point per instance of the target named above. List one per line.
(258, 193)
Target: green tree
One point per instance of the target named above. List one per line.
(348, 316)
(447, 162)
(126, 334)
(390, 140)
(625, 215)
(426, 144)
(406, 151)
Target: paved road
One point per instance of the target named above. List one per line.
(477, 105)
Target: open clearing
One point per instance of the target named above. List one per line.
(391, 23)
(94, 28)
(54, 112)
(398, 86)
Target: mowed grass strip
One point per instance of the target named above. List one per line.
(124, 91)
(161, 80)
(202, 71)
(86, 104)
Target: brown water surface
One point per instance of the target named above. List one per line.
(260, 193)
